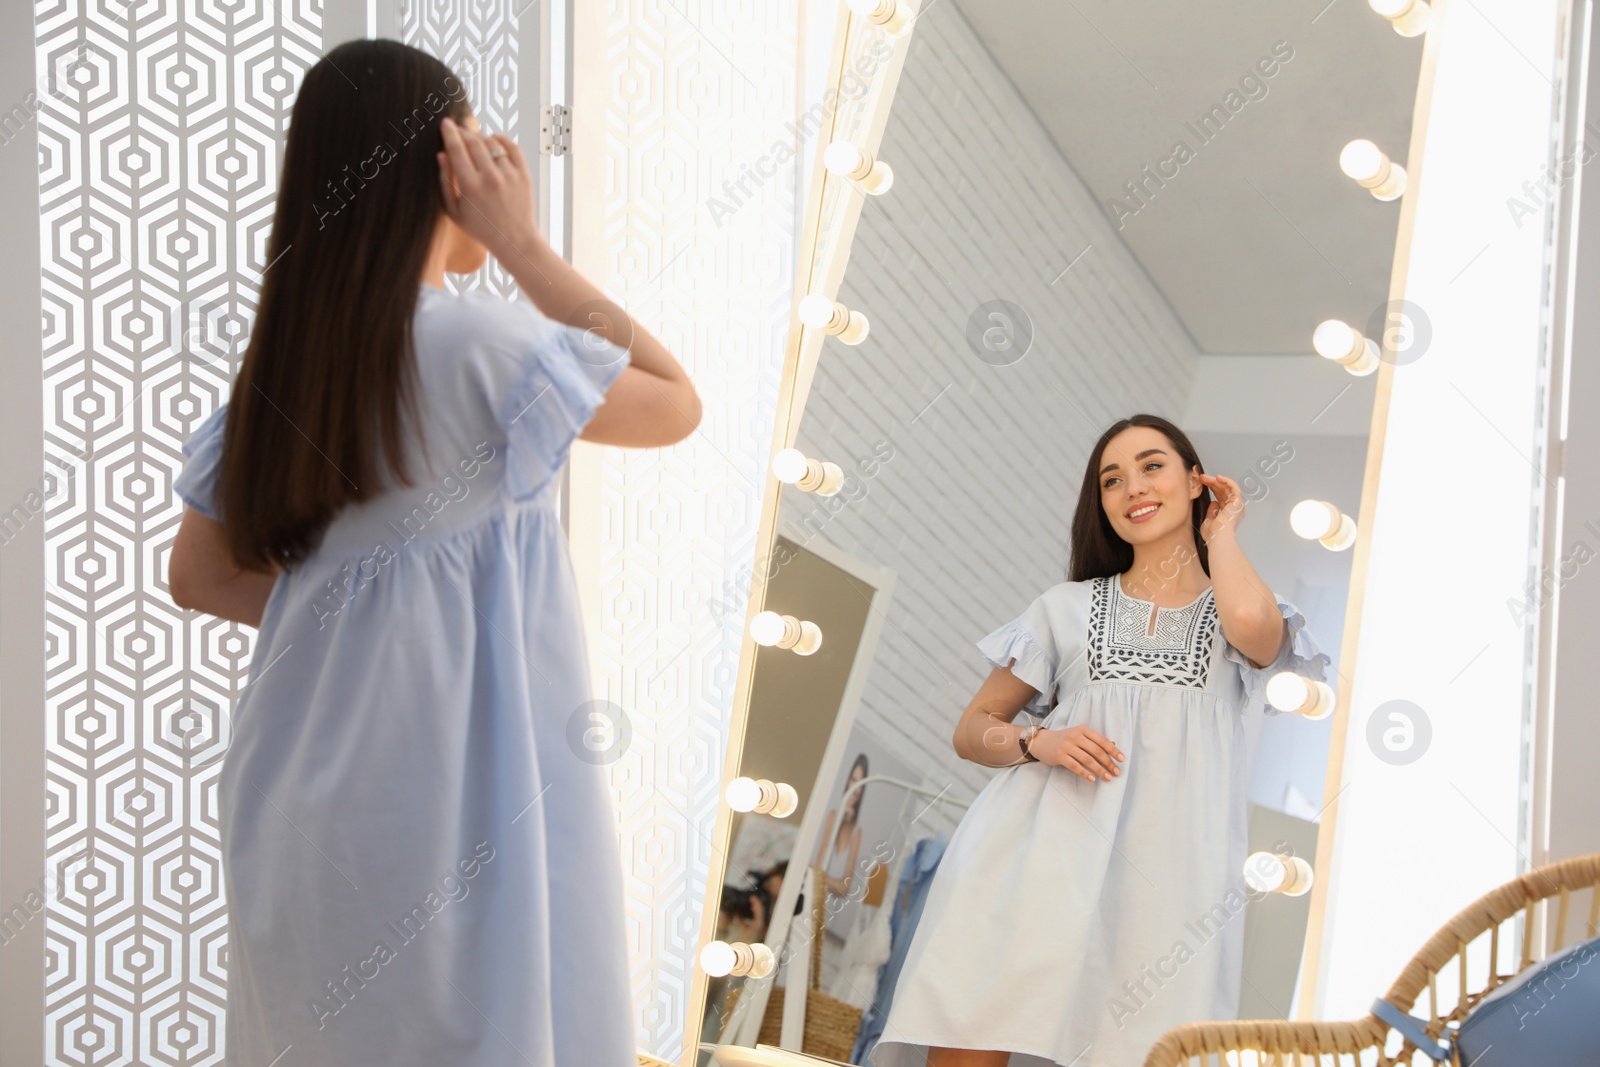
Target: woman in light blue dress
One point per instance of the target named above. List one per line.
(419, 848)
(1093, 896)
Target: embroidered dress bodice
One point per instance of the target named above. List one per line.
(1122, 648)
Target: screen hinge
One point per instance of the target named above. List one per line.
(555, 130)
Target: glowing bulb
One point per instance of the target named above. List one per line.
(1265, 872)
(855, 329)
(1372, 170)
(1408, 17)
(767, 628)
(743, 794)
(821, 313)
(792, 467)
(1346, 346)
(789, 466)
(850, 161)
(717, 959)
(788, 801)
(762, 796)
(841, 157)
(1318, 520)
(1314, 519)
(762, 961)
(1361, 160)
(1297, 695)
(816, 310)
(785, 631)
(1333, 339)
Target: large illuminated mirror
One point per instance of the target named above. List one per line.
(1096, 210)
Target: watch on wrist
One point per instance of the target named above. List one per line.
(1022, 743)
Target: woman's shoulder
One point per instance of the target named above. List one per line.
(476, 315)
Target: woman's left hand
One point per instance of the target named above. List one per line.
(1226, 511)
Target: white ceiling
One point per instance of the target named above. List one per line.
(1258, 237)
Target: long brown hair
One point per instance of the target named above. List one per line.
(1098, 551)
(330, 364)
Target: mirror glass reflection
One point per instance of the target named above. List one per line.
(1099, 210)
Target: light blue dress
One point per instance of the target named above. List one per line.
(419, 847)
(1073, 923)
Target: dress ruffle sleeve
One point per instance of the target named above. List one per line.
(196, 484)
(1029, 640)
(1299, 654)
(562, 383)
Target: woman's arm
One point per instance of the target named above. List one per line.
(986, 735)
(1246, 606)
(202, 576)
(652, 402)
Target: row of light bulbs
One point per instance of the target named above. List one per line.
(1366, 164)
(770, 629)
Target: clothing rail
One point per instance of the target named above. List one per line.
(838, 824)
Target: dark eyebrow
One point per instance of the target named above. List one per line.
(1141, 455)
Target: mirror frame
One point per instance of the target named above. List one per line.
(824, 270)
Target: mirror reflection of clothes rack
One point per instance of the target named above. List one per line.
(876, 945)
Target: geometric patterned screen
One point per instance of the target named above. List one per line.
(159, 143)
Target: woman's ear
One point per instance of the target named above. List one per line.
(1195, 484)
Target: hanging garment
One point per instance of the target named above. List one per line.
(1074, 922)
(866, 951)
(418, 843)
(915, 882)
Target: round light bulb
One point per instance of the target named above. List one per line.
(816, 310)
(857, 329)
(1361, 160)
(1287, 691)
(1333, 339)
(789, 466)
(1264, 872)
(1314, 519)
(841, 157)
(717, 959)
(788, 800)
(764, 961)
(1409, 17)
(743, 794)
(767, 628)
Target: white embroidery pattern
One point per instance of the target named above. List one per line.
(1121, 649)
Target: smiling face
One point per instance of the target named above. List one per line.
(1145, 489)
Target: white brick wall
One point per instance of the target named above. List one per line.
(973, 511)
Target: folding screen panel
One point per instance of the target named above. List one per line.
(158, 158)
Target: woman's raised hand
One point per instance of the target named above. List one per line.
(488, 189)
(1226, 511)
(1081, 750)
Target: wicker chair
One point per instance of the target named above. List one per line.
(1279, 1043)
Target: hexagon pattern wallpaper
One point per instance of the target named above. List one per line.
(160, 143)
